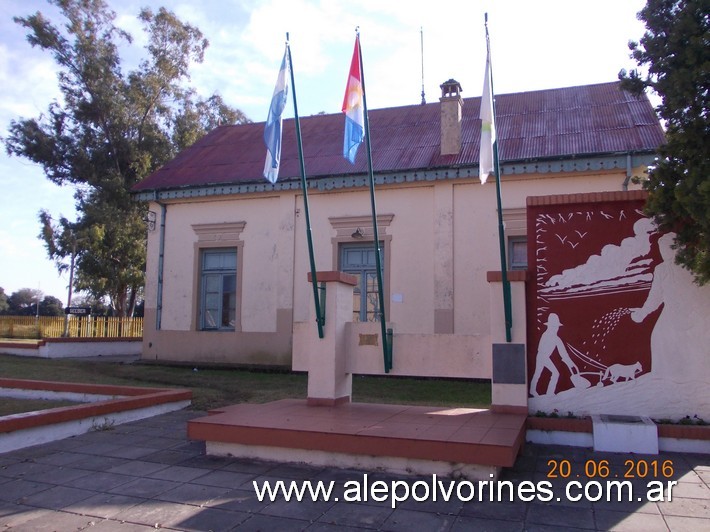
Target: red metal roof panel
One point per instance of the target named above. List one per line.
(554, 123)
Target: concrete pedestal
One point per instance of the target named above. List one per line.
(329, 383)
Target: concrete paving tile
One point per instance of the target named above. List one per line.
(57, 475)
(255, 467)
(136, 468)
(686, 523)
(228, 479)
(305, 510)
(535, 527)
(193, 494)
(356, 515)
(178, 473)
(403, 520)
(629, 522)
(98, 448)
(691, 490)
(642, 507)
(494, 510)
(98, 463)
(158, 514)
(451, 507)
(24, 468)
(17, 490)
(467, 524)
(260, 523)
(555, 514)
(205, 462)
(67, 444)
(167, 456)
(325, 527)
(144, 487)
(15, 514)
(239, 500)
(130, 453)
(189, 446)
(98, 481)
(60, 458)
(104, 505)
(57, 497)
(57, 521)
(293, 471)
(120, 526)
(212, 519)
(686, 507)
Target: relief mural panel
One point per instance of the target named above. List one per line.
(592, 266)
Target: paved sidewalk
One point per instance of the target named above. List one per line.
(146, 475)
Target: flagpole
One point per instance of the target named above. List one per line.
(320, 319)
(386, 343)
(501, 228)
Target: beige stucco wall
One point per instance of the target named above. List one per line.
(440, 242)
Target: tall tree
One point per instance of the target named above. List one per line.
(4, 303)
(111, 130)
(674, 54)
(24, 301)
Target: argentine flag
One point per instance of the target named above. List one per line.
(274, 123)
(354, 108)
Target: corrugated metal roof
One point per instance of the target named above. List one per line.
(548, 124)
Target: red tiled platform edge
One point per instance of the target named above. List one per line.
(462, 435)
(128, 398)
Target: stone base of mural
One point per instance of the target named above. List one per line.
(645, 394)
(578, 432)
(625, 434)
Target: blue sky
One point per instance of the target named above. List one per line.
(535, 45)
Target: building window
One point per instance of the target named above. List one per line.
(518, 253)
(359, 260)
(218, 304)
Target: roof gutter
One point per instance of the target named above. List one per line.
(592, 163)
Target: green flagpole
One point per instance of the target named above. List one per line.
(320, 319)
(501, 227)
(386, 335)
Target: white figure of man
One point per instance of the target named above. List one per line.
(549, 341)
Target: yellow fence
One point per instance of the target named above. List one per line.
(79, 327)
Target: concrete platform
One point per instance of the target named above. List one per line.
(473, 443)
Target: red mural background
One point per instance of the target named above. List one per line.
(591, 263)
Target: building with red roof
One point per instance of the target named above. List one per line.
(227, 255)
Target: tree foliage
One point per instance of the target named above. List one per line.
(110, 130)
(674, 54)
(4, 303)
(24, 301)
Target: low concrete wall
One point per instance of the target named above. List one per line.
(421, 355)
(74, 347)
(426, 355)
(107, 405)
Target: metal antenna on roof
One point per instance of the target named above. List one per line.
(421, 33)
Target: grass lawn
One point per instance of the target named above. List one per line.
(213, 388)
(9, 405)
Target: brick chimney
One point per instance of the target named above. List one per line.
(451, 105)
